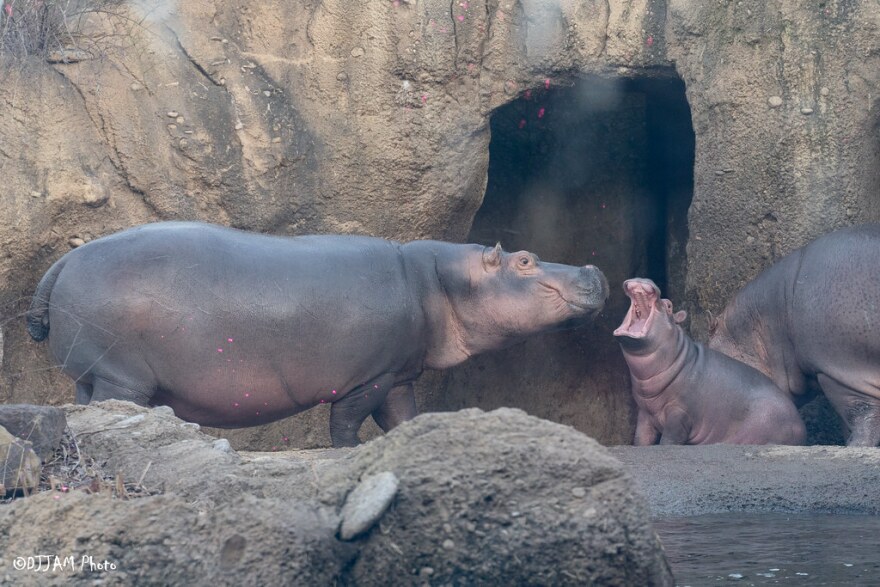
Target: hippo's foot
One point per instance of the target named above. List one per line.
(860, 410)
(348, 413)
(865, 428)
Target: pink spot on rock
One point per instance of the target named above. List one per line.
(219, 350)
(527, 94)
(235, 404)
(424, 98)
(649, 41)
(258, 413)
(546, 84)
(228, 340)
(603, 205)
(460, 18)
(522, 123)
(285, 439)
(247, 395)
(396, 3)
(54, 496)
(375, 387)
(540, 113)
(322, 401)
(333, 392)
(8, 9)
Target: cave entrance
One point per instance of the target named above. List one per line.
(601, 173)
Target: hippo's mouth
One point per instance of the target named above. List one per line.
(580, 308)
(643, 297)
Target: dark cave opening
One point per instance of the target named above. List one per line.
(601, 173)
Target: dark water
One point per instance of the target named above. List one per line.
(773, 549)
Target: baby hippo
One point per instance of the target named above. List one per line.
(687, 393)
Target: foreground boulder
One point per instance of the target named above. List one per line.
(455, 498)
(42, 426)
(505, 498)
(165, 540)
(19, 465)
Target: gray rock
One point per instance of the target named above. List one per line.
(458, 474)
(20, 466)
(366, 504)
(43, 426)
(223, 445)
(130, 421)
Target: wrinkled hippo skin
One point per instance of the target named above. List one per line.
(688, 394)
(812, 321)
(234, 329)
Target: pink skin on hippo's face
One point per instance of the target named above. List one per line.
(650, 320)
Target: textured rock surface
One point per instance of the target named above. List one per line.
(42, 426)
(505, 498)
(19, 465)
(491, 498)
(785, 106)
(167, 540)
(297, 117)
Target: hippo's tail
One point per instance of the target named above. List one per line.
(38, 313)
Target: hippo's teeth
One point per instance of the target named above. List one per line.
(638, 313)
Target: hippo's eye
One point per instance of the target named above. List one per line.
(524, 261)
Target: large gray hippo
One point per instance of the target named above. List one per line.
(688, 394)
(812, 321)
(235, 329)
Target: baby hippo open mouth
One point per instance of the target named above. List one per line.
(643, 295)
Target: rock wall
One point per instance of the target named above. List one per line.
(374, 117)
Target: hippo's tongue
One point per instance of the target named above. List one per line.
(637, 320)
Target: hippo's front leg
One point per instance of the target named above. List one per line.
(646, 434)
(349, 412)
(399, 406)
(676, 428)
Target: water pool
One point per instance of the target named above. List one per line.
(773, 549)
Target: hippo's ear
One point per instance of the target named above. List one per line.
(680, 316)
(668, 305)
(492, 257)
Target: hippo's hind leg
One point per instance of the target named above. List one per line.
(399, 406)
(348, 413)
(860, 410)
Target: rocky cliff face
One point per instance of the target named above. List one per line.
(375, 117)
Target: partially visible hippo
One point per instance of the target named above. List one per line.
(688, 394)
(236, 329)
(812, 321)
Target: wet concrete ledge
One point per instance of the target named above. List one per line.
(694, 480)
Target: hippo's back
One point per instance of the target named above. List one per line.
(834, 314)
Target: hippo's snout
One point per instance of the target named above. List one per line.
(594, 287)
(588, 290)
